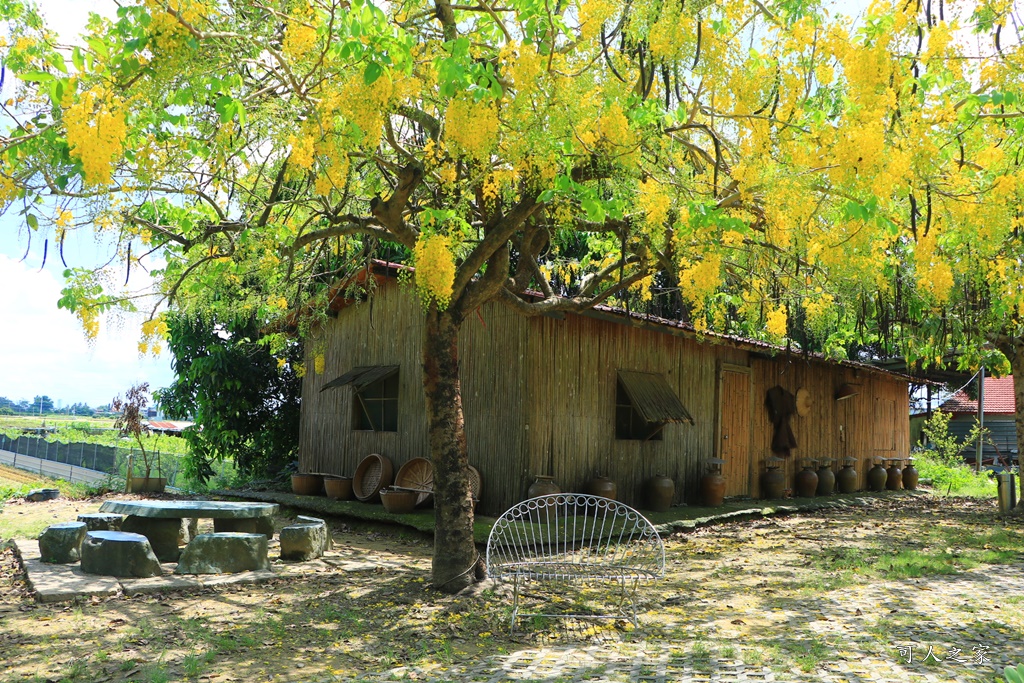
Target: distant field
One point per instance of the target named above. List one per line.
(23, 421)
(11, 478)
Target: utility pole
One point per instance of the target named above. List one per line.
(981, 416)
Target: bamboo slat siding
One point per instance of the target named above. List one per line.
(539, 398)
(832, 429)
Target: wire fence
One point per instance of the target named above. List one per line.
(111, 460)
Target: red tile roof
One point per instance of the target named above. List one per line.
(998, 399)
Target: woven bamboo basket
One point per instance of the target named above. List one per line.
(373, 473)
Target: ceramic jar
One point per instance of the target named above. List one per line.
(806, 483)
(910, 476)
(660, 492)
(846, 480)
(877, 477)
(773, 481)
(826, 478)
(712, 489)
(602, 486)
(543, 486)
(894, 476)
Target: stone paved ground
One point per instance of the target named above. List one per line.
(776, 599)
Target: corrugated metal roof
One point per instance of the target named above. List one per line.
(999, 399)
(361, 376)
(653, 398)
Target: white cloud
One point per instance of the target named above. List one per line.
(43, 350)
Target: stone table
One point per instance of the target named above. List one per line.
(160, 520)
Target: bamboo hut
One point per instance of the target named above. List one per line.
(576, 396)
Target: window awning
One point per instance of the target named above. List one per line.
(653, 398)
(360, 377)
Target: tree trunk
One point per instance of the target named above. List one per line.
(455, 554)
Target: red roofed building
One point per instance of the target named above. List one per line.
(999, 410)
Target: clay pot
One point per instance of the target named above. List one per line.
(773, 483)
(338, 488)
(712, 489)
(826, 481)
(307, 484)
(877, 477)
(806, 482)
(601, 486)
(398, 502)
(910, 477)
(660, 491)
(846, 480)
(543, 486)
(894, 477)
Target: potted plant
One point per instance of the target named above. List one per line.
(129, 420)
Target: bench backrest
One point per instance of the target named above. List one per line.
(574, 529)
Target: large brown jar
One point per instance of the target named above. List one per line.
(877, 477)
(543, 485)
(712, 484)
(806, 483)
(659, 491)
(894, 476)
(910, 476)
(773, 481)
(826, 478)
(602, 486)
(846, 480)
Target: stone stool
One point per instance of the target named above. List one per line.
(62, 543)
(118, 553)
(254, 525)
(305, 541)
(224, 553)
(101, 521)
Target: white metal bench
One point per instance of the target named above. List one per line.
(568, 540)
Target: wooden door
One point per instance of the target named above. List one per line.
(734, 429)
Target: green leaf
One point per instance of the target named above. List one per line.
(372, 73)
(36, 76)
(32, 221)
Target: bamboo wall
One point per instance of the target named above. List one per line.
(572, 407)
(874, 423)
(539, 398)
(388, 331)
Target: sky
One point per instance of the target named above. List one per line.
(42, 348)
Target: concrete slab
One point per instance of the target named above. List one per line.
(60, 582)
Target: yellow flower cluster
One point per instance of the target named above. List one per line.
(655, 201)
(64, 218)
(776, 322)
(302, 150)
(366, 105)
(670, 31)
(277, 302)
(319, 363)
(592, 14)
(299, 36)
(153, 333)
(643, 288)
(435, 269)
(96, 132)
(8, 191)
(818, 311)
(522, 65)
(165, 28)
(699, 280)
(334, 171)
(611, 130)
(472, 127)
(933, 272)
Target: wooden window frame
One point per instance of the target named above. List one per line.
(650, 431)
(378, 399)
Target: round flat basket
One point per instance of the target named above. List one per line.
(418, 475)
(372, 474)
(476, 484)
